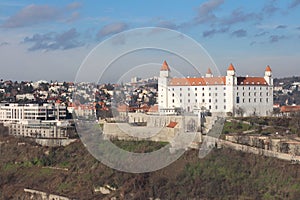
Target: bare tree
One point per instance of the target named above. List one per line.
(240, 111)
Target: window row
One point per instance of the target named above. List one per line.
(260, 100)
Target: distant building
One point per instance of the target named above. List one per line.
(27, 96)
(38, 129)
(14, 112)
(82, 110)
(287, 110)
(240, 96)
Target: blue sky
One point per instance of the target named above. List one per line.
(50, 39)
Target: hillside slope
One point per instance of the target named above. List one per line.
(223, 174)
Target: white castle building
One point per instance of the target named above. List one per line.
(226, 95)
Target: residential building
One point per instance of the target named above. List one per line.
(14, 112)
(39, 129)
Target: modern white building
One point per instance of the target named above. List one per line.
(14, 112)
(38, 129)
(225, 95)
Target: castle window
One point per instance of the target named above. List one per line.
(224, 94)
(224, 100)
(195, 100)
(195, 88)
(173, 100)
(180, 94)
(189, 89)
(189, 100)
(209, 107)
(209, 100)
(216, 100)
(173, 94)
(237, 99)
(188, 94)
(216, 94)
(224, 107)
(203, 88)
(249, 100)
(209, 94)
(267, 100)
(196, 94)
(260, 100)
(180, 100)
(203, 101)
(254, 100)
(180, 89)
(203, 94)
(216, 107)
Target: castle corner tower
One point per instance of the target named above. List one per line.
(268, 75)
(163, 80)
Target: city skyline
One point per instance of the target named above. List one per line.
(50, 39)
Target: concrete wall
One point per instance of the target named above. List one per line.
(124, 131)
(258, 151)
(35, 194)
(54, 142)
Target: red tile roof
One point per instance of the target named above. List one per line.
(208, 71)
(197, 81)
(165, 66)
(231, 67)
(290, 108)
(153, 108)
(268, 69)
(172, 124)
(251, 81)
(123, 108)
(215, 80)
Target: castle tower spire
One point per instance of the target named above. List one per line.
(165, 66)
(268, 75)
(208, 73)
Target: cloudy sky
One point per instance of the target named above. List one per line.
(50, 39)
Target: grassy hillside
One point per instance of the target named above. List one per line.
(223, 174)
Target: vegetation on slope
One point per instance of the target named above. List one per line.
(224, 173)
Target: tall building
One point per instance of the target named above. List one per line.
(225, 95)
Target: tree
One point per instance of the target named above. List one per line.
(240, 111)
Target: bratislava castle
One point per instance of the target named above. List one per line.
(225, 95)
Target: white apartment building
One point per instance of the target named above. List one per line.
(38, 129)
(230, 94)
(13, 112)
